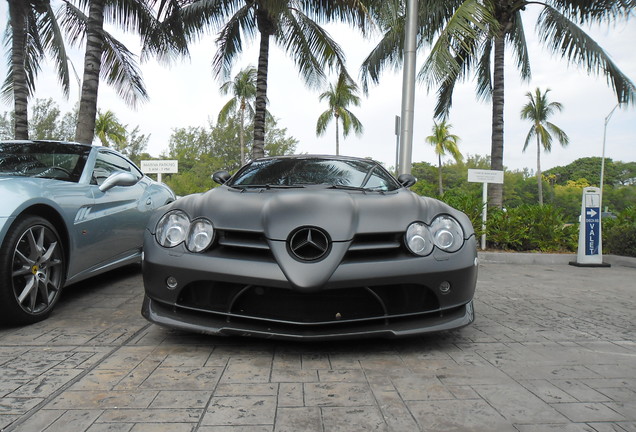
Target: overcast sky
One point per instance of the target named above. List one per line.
(187, 95)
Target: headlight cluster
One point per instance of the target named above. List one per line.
(175, 227)
(444, 232)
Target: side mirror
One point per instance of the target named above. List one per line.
(406, 180)
(221, 177)
(119, 178)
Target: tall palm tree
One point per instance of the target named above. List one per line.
(294, 25)
(105, 56)
(444, 143)
(243, 89)
(108, 130)
(472, 35)
(32, 32)
(339, 97)
(538, 110)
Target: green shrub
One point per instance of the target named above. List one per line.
(531, 228)
(467, 203)
(619, 235)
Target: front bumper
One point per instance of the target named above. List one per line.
(167, 316)
(223, 295)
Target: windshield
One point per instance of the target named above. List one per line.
(43, 159)
(294, 172)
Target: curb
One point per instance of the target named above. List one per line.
(547, 259)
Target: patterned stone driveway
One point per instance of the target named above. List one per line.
(553, 349)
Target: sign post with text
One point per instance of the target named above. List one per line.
(590, 252)
(159, 166)
(485, 177)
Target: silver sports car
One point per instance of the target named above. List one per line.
(310, 247)
(69, 211)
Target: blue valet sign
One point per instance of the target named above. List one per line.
(590, 252)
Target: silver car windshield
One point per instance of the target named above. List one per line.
(298, 172)
(43, 159)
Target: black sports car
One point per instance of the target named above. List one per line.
(314, 247)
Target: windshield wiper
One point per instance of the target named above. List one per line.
(357, 188)
(267, 186)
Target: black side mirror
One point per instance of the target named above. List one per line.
(406, 180)
(221, 177)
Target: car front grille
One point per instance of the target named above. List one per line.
(252, 245)
(328, 307)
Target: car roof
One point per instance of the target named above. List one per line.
(47, 141)
(319, 156)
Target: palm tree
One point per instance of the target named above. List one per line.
(34, 31)
(108, 130)
(472, 35)
(105, 56)
(444, 143)
(243, 89)
(538, 110)
(339, 97)
(292, 24)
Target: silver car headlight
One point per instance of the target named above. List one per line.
(419, 239)
(200, 235)
(448, 234)
(172, 228)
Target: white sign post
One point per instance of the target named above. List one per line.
(485, 177)
(590, 252)
(159, 166)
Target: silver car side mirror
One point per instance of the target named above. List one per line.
(119, 178)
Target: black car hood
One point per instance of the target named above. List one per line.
(278, 212)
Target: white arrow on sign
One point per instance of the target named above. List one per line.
(591, 213)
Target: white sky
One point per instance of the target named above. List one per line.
(187, 95)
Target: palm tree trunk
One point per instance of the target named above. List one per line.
(85, 130)
(17, 13)
(439, 174)
(337, 136)
(495, 192)
(539, 176)
(242, 133)
(266, 29)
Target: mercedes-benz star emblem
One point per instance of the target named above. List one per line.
(309, 244)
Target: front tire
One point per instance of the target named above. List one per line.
(32, 271)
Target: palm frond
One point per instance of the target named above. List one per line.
(564, 37)
(323, 121)
(121, 71)
(595, 11)
(517, 38)
(73, 20)
(230, 42)
(388, 53)
(471, 24)
(53, 42)
(311, 47)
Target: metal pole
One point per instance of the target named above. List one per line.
(484, 214)
(408, 88)
(607, 119)
(397, 145)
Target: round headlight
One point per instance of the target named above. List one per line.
(418, 239)
(200, 236)
(448, 234)
(172, 228)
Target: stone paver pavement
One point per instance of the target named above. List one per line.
(553, 349)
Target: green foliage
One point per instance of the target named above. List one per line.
(471, 204)
(203, 150)
(530, 227)
(589, 168)
(619, 235)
